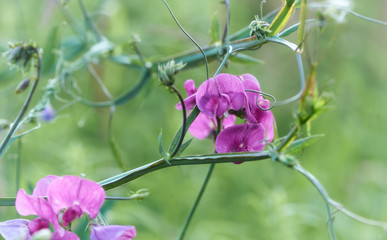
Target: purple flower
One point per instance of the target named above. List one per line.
(245, 137)
(217, 95)
(254, 114)
(48, 113)
(112, 232)
(15, 229)
(190, 101)
(76, 196)
(202, 126)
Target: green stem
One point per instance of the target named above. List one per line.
(323, 194)
(89, 22)
(301, 28)
(18, 165)
(184, 126)
(130, 175)
(282, 17)
(198, 198)
(15, 124)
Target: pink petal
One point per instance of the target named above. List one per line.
(230, 121)
(241, 138)
(112, 232)
(65, 236)
(249, 82)
(68, 191)
(208, 97)
(42, 186)
(38, 224)
(231, 86)
(201, 126)
(190, 88)
(15, 229)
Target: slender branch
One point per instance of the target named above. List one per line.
(197, 201)
(89, 22)
(184, 126)
(15, 124)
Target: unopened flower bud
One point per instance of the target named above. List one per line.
(168, 70)
(23, 85)
(15, 54)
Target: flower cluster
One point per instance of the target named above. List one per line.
(217, 98)
(59, 201)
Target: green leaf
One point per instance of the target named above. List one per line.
(215, 29)
(48, 54)
(183, 147)
(298, 145)
(195, 112)
(245, 59)
(161, 147)
(292, 29)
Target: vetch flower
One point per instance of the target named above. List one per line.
(75, 196)
(15, 229)
(190, 101)
(216, 96)
(245, 137)
(202, 126)
(48, 113)
(112, 232)
(254, 113)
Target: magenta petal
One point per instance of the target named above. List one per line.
(201, 126)
(71, 213)
(38, 224)
(249, 82)
(207, 98)
(67, 191)
(112, 232)
(15, 229)
(189, 103)
(42, 186)
(230, 121)
(256, 115)
(231, 86)
(25, 204)
(241, 138)
(65, 236)
(190, 88)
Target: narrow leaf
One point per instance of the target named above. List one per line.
(161, 147)
(245, 59)
(183, 147)
(215, 29)
(302, 143)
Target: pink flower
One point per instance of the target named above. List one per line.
(76, 196)
(217, 95)
(254, 113)
(190, 101)
(202, 126)
(245, 137)
(112, 232)
(15, 229)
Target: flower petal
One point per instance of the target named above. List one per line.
(66, 191)
(42, 186)
(201, 127)
(112, 232)
(231, 86)
(65, 236)
(241, 138)
(15, 229)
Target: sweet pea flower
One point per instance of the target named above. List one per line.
(112, 232)
(254, 113)
(190, 101)
(15, 229)
(75, 196)
(245, 137)
(216, 96)
(203, 125)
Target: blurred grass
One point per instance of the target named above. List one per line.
(261, 200)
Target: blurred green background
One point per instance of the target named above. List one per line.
(256, 200)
